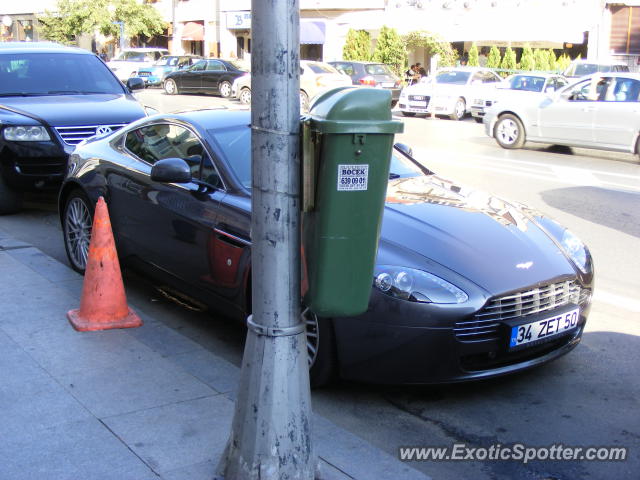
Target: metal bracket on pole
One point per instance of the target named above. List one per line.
(275, 331)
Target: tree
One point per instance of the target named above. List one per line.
(563, 62)
(542, 59)
(390, 49)
(527, 61)
(551, 55)
(494, 59)
(72, 18)
(509, 59)
(473, 56)
(357, 45)
(432, 45)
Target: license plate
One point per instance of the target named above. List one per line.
(543, 329)
(387, 84)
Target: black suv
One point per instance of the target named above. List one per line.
(51, 98)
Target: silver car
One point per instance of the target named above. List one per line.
(523, 83)
(599, 111)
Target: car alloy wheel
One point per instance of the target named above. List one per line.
(459, 110)
(78, 222)
(313, 334)
(225, 89)
(245, 96)
(170, 87)
(509, 132)
(304, 102)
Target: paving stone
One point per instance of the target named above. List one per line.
(210, 369)
(84, 450)
(177, 436)
(146, 384)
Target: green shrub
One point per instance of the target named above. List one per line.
(473, 56)
(526, 60)
(494, 59)
(509, 59)
(357, 46)
(390, 49)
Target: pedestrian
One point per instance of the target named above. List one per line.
(410, 74)
(421, 70)
(482, 58)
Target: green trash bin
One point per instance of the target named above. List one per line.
(347, 143)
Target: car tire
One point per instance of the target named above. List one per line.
(77, 222)
(245, 96)
(459, 110)
(225, 89)
(320, 347)
(408, 114)
(171, 87)
(304, 102)
(509, 132)
(478, 119)
(394, 103)
(10, 200)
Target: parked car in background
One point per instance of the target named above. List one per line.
(315, 77)
(131, 60)
(212, 76)
(52, 98)
(449, 91)
(527, 83)
(466, 286)
(371, 74)
(155, 75)
(580, 68)
(599, 111)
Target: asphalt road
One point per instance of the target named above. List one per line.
(587, 398)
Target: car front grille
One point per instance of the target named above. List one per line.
(486, 322)
(144, 74)
(74, 135)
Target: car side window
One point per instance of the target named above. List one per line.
(198, 67)
(215, 66)
(581, 92)
(623, 90)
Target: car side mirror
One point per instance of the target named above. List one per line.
(403, 147)
(550, 89)
(135, 83)
(171, 170)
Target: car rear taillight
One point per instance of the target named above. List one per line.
(368, 81)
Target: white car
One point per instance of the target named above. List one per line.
(598, 111)
(315, 77)
(130, 60)
(525, 83)
(448, 92)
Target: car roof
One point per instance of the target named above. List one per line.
(210, 118)
(39, 47)
(146, 49)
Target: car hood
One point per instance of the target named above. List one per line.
(495, 244)
(67, 110)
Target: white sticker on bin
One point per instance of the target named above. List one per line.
(353, 177)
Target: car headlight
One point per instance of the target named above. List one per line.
(575, 249)
(416, 285)
(26, 133)
(403, 94)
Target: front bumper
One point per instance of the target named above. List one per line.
(424, 348)
(31, 166)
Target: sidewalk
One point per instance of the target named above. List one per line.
(132, 404)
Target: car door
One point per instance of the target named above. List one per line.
(190, 80)
(214, 71)
(570, 116)
(617, 120)
(167, 225)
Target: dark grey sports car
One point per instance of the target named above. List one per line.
(467, 286)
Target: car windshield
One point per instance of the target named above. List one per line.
(526, 82)
(235, 143)
(170, 61)
(319, 68)
(378, 69)
(55, 74)
(453, 77)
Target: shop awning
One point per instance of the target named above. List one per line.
(312, 31)
(193, 31)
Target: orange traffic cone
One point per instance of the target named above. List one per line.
(103, 304)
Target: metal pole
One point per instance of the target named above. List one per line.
(271, 431)
(122, 39)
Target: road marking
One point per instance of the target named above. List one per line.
(627, 303)
(582, 176)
